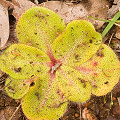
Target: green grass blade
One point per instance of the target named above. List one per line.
(103, 20)
(105, 31)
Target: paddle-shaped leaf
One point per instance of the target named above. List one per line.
(23, 62)
(17, 88)
(44, 100)
(75, 87)
(102, 70)
(39, 27)
(77, 44)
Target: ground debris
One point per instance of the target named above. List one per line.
(82, 10)
(88, 115)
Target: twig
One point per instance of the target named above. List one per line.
(118, 100)
(1, 81)
(117, 50)
(117, 24)
(110, 39)
(15, 112)
(80, 110)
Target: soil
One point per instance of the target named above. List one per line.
(97, 108)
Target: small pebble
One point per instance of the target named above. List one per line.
(76, 115)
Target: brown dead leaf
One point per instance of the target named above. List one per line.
(4, 26)
(116, 110)
(115, 44)
(116, 89)
(70, 11)
(117, 27)
(2, 117)
(113, 10)
(116, 1)
(6, 4)
(117, 35)
(20, 6)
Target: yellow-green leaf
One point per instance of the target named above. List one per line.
(17, 88)
(102, 70)
(23, 62)
(44, 100)
(74, 86)
(39, 27)
(77, 44)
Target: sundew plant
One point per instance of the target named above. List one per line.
(54, 63)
